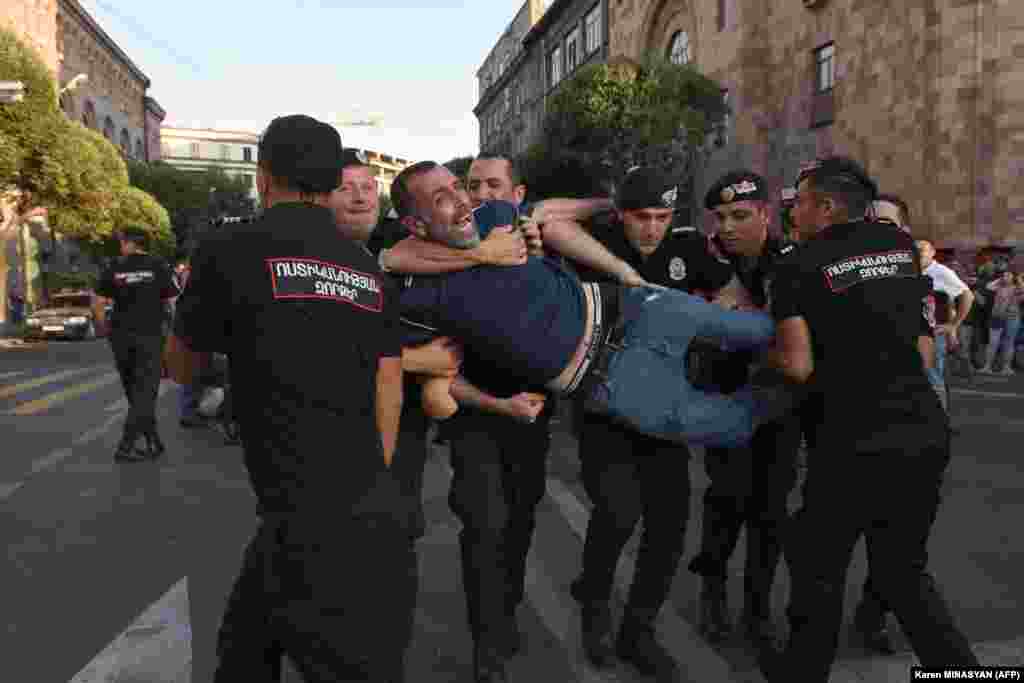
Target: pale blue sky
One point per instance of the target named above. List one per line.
(235, 64)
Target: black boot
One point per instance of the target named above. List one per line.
(151, 446)
(872, 628)
(128, 450)
(638, 647)
(595, 627)
(714, 610)
(488, 664)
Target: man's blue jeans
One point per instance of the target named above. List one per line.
(937, 373)
(645, 385)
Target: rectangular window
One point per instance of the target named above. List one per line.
(825, 58)
(721, 15)
(225, 152)
(572, 50)
(555, 67)
(247, 153)
(194, 150)
(593, 30)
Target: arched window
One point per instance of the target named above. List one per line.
(126, 143)
(108, 128)
(679, 48)
(89, 115)
(67, 105)
(140, 153)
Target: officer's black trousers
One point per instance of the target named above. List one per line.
(891, 498)
(411, 457)
(749, 486)
(138, 359)
(337, 597)
(629, 476)
(500, 467)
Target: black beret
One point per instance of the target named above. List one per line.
(736, 186)
(839, 167)
(303, 152)
(645, 188)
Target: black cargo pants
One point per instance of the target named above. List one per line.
(336, 597)
(138, 360)
(629, 476)
(891, 498)
(749, 487)
(500, 470)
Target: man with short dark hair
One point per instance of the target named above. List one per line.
(849, 314)
(537, 323)
(141, 287)
(750, 484)
(310, 330)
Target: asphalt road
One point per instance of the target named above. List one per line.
(120, 572)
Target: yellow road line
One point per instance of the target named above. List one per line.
(6, 392)
(41, 404)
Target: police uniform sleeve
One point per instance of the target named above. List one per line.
(391, 343)
(709, 271)
(202, 311)
(105, 285)
(168, 287)
(787, 293)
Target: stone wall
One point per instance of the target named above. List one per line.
(928, 96)
(36, 22)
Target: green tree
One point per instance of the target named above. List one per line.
(609, 118)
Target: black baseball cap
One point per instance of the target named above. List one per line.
(736, 186)
(303, 152)
(645, 188)
(840, 167)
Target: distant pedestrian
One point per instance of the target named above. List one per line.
(141, 287)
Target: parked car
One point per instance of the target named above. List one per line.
(69, 315)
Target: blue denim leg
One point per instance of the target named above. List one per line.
(646, 385)
(187, 397)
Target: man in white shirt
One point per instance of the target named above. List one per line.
(948, 282)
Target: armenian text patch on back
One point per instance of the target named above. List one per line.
(303, 278)
(855, 270)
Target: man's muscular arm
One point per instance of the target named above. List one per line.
(415, 256)
(569, 209)
(524, 407)
(569, 239)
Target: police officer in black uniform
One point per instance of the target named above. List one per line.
(749, 485)
(141, 287)
(850, 322)
(309, 328)
(628, 475)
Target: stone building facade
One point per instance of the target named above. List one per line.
(113, 100)
(542, 47)
(928, 94)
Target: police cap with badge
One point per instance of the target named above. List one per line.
(646, 188)
(737, 186)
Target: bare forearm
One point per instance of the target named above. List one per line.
(569, 209)
(468, 395)
(389, 404)
(963, 307)
(926, 347)
(419, 257)
(569, 239)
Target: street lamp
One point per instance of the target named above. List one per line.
(11, 92)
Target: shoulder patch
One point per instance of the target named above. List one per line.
(305, 278)
(677, 269)
(846, 273)
(787, 249)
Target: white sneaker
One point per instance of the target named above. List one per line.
(1007, 372)
(985, 370)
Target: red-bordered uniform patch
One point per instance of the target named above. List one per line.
(304, 278)
(855, 270)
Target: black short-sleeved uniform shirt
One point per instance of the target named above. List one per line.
(138, 284)
(304, 315)
(682, 261)
(861, 292)
(729, 371)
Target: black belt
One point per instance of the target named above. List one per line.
(612, 335)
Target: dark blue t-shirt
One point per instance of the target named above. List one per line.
(526, 320)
